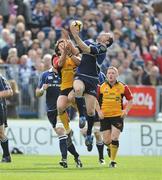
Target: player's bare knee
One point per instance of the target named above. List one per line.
(107, 141)
(60, 131)
(71, 99)
(2, 136)
(114, 137)
(78, 91)
(98, 136)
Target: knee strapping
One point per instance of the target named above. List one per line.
(115, 143)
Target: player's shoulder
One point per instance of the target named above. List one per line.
(46, 73)
(103, 85)
(121, 83)
(101, 74)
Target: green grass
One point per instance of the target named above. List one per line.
(47, 168)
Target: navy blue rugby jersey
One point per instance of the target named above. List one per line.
(4, 85)
(52, 92)
(90, 63)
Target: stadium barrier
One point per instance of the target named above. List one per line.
(37, 137)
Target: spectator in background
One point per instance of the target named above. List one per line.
(154, 57)
(41, 38)
(47, 15)
(126, 67)
(56, 22)
(37, 14)
(52, 38)
(121, 76)
(23, 81)
(7, 47)
(12, 7)
(79, 12)
(47, 47)
(35, 28)
(47, 61)
(13, 101)
(11, 24)
(62, 8)
(135, 77)
(35, 45)
(4, 38)
(153, 78)
(19, 33)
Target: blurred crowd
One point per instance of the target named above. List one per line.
(29, 30)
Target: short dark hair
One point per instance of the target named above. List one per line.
(111, 40)
(57, 51)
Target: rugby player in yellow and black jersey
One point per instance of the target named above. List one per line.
(112, 113)
(66, 62)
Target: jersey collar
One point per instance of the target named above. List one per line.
(110, 84)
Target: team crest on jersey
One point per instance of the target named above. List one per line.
(50, 77)
(55, 82)
(103, 48)
(106, 90)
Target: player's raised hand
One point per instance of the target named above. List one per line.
(68, 48)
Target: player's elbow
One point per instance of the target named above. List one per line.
(86, 49)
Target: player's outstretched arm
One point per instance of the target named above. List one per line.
(6, 93)
(80, 43)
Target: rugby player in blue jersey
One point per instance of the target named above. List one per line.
(50, 82)
(86, 79)
(96, 128)
(5, 91)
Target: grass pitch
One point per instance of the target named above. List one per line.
(47, 168)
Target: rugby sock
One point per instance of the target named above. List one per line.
(114, 149)
(73, 151)
(65, 120)
(80, 105)
(4, 144)
(108, 149)
(100, 148)
(63, 146)
(90, 122)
